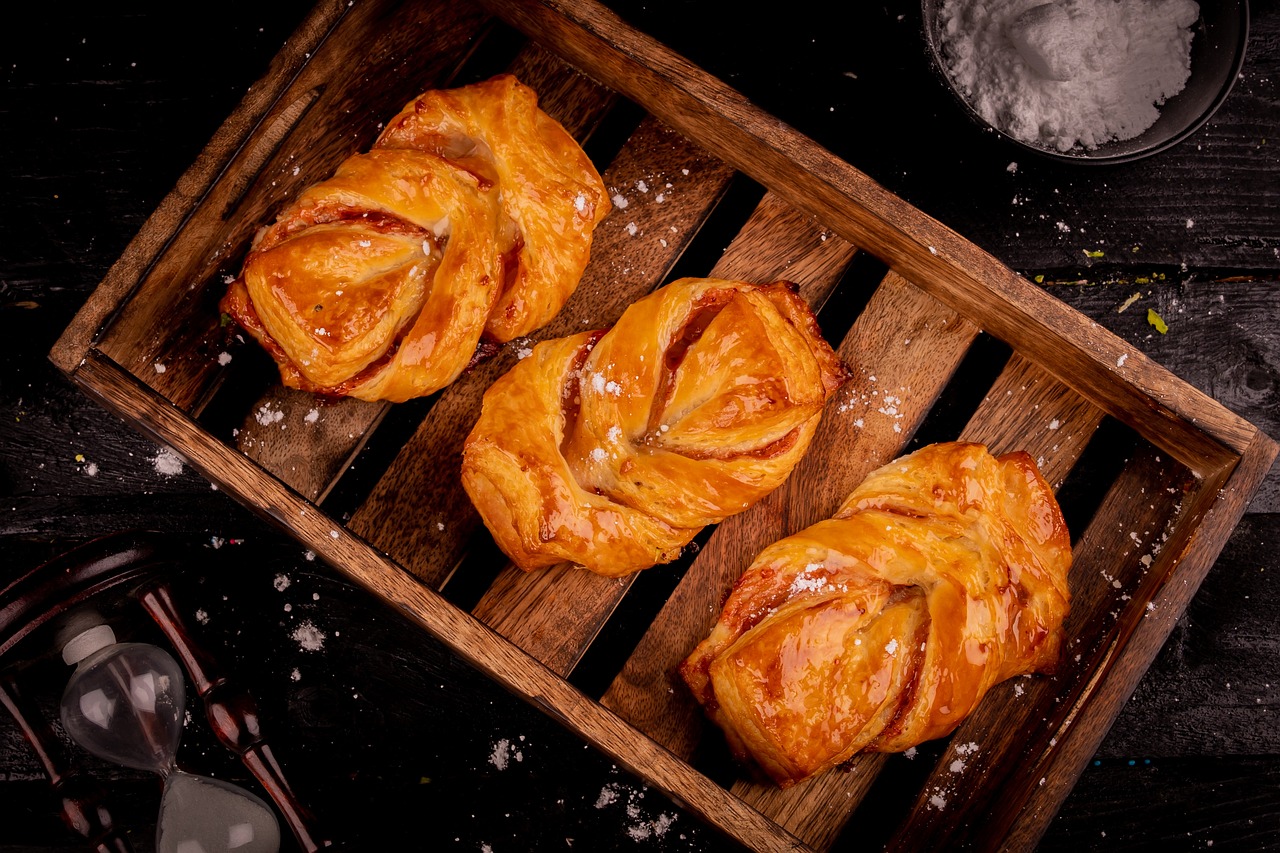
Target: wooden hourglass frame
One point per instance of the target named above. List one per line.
(117, 575)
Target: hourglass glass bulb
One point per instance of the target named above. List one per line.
(125, 701)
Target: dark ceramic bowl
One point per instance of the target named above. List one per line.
(1217, 53)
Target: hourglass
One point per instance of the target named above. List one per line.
(126, 703)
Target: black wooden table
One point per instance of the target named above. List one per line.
(394, 742)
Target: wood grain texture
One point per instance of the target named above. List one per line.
(858, 63)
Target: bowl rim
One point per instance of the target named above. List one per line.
(1096, 156)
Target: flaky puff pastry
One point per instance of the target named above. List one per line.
(471, 216)
(613, 449)
(942, 574)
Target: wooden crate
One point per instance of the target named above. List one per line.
(944, 340)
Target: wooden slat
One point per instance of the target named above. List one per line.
(555, 614)
(417, 512)
(1027, 409)
(1185, 552)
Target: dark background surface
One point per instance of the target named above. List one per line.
(392, 740)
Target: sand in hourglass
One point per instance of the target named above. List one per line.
(203, 815)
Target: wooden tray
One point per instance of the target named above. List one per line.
(945, 342)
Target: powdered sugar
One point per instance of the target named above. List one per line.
(503, 753)
(308, 637)
(168, 463)
(639, 826)
(1069, 73)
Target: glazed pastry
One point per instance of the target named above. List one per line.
(613, 449)
(942, 574)
(467, 224)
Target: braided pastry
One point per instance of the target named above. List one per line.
(471, 216)
(613, 449)
(942, 574)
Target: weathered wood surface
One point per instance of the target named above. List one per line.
(1184, 717)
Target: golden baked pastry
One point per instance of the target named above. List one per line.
(942, 574)
(470, 216)
(613, 449)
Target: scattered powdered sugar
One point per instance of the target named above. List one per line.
(504, 752)
(202, 616)
(268, 416)
(224, 358)
(308, 637)
(281, 582)
(167, 463)
(807, 581)
(523, 347)
(312, 416)
(608, 795)
(640, 827)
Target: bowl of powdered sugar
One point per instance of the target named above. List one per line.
(1088, 81)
